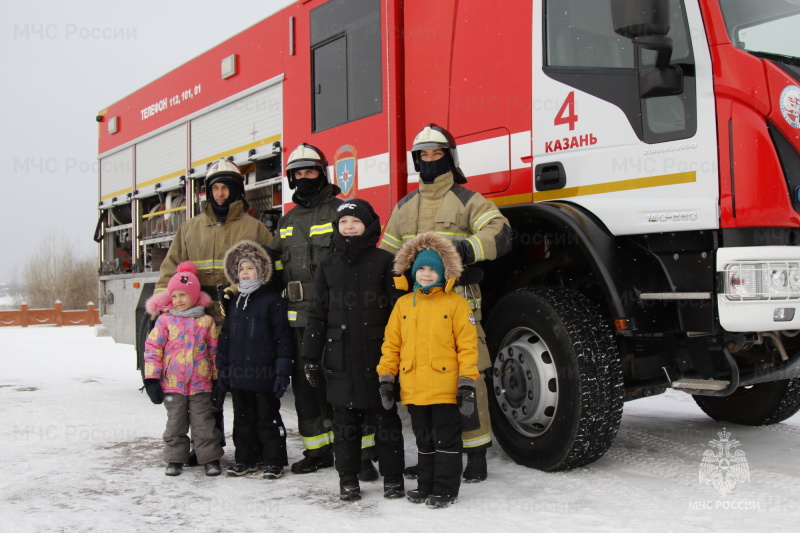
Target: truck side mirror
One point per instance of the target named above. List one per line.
(646, 24)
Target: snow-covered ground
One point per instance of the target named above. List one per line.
(81, 451)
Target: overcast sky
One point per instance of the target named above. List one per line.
(65, 61)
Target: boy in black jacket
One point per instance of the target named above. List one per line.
(255, 362)
(352, 300)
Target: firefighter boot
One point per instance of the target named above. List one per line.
(475, 472)
(312, 463)
(410, 472)
(367, 472)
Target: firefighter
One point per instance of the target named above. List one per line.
(206, 237)
(479, 232)
(304, 238)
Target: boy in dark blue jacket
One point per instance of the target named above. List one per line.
(255, 362)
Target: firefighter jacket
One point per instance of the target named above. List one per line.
(352, 299)
(203, 240)
(431, 338)
(304, 237)
(474, 223)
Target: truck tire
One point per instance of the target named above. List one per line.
(556, 379)
(758, 405)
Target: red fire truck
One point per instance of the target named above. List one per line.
(646, 153)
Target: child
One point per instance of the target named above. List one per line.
(352, 299)
(180, 370)
(255, 362)
(431, 339)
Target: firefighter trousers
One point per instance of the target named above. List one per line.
(481, 438)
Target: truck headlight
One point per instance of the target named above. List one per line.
(762, 281)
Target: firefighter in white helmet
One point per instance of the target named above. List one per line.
(480, 233)
(206, 237)
(304, 237)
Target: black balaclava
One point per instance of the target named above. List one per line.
(430, 170)
(234, 194)
(308, 188)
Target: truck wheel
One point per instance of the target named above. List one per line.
(556, 379)
(758, 405)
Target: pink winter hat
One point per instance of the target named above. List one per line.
(184, 280)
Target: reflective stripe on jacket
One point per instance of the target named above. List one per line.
(304, 237)
(203, 240)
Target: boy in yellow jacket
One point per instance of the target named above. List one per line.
(431, 342)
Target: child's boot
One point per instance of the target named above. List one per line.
(174, 469)
(349, 489)
(440, 501)
(273, 472)
(393, 487)
(418, 495)
(213, 468)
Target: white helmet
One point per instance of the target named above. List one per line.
(435, 137)
(306, 156)
(226, 172)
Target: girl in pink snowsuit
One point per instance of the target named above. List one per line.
(180, 370)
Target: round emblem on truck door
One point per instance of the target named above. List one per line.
(790, 105)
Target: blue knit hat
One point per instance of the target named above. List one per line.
(429, 258)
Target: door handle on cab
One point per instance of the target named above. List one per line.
(550, 176)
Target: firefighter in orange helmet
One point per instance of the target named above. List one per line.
(479, 232)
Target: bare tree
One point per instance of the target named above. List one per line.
(56, 272)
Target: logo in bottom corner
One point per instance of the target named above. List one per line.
(722, 466)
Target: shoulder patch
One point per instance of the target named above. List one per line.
(407, 197)
(462, 193)
(472, 319)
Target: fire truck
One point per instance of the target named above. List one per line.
(645, 152)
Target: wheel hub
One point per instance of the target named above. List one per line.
(525, 383)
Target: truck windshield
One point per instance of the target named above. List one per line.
(768, 26)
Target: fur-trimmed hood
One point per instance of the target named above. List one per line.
(453, 267)
(252, 250)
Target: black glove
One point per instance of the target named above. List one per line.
(312, 373)
(217, 394)
(224, 381)
(225, 294)
(386, 390)
(281, 384)
(154, 390)
(462, 247)
(465, 398)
